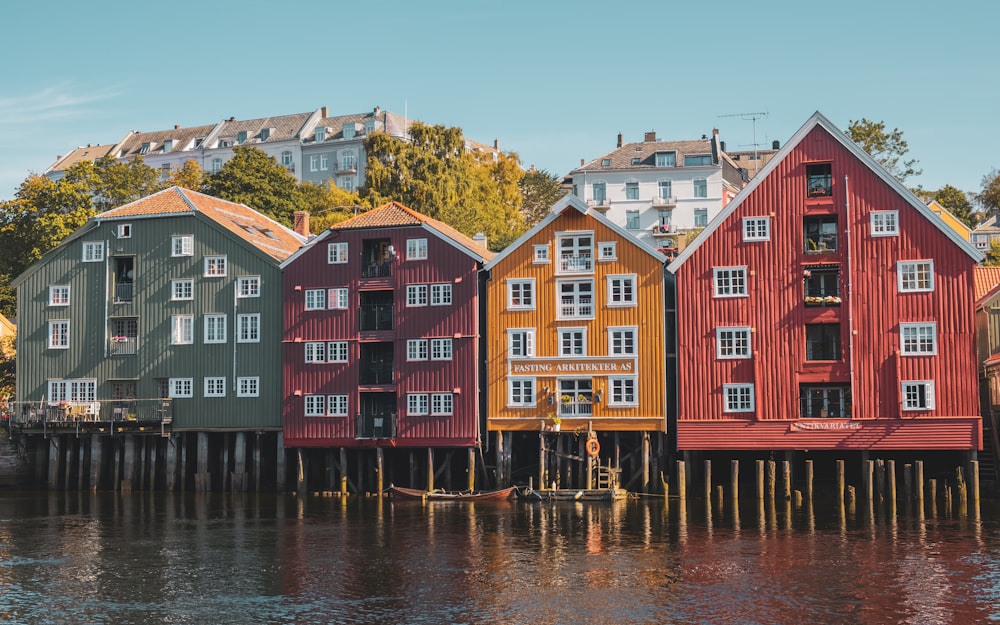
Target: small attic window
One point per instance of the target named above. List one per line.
(265, 134)
(369, 126)
(168, 145)
(605, 162)
(144, 149)
(198, 141)
(636, 160)
(320, 134)
(225, 143)
(349, 130)
(241, 137)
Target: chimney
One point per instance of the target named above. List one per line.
(378, 109)
(620, 139)
(480, 238)
(775, 145)
(177, 126)
(581, 162)
(722, 145)
(496, 144)
(302, 223)
(650, 136)
(323, 112)
(232, 119)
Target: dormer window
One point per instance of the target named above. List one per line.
(168, 145)
(144, 149)
(320, 134)
(369, 126)
(225, 143)
(265, 134)
(349, 130)
(605, 162)
(241, 137)
(666, 159)
(636, 160)
(694, 160)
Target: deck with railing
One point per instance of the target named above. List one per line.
(121, 413)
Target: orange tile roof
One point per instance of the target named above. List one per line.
(395, 214)
(262, 232)
(985, 280)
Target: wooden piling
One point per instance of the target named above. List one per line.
(681, 480)
(734, 479)
(645, 462)
(542, 458)
(891, 475)
(867, 479)
(430, 468)
(851, 500)
(760, 480)
(280, 459)
(974, 478)
(771, 478)
(719, 492)
(238, 483)
(471, 464)
(932, 495)
(841, 481)
(708, 479)
(798, 498)
(256, 461)
(202, 480)
(809, 480)
(918, 485)
(963, 492)
(128, 472)
(786, 479)
(908, 481)
(301, 484)
(55, 449)
(343, 471)
(96, 461)
(379, 471)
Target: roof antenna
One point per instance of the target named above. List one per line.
(748, 117)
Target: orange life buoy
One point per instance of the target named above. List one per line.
(593, 448)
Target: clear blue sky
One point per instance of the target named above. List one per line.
(553, 81)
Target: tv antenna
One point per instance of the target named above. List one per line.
(751, 117)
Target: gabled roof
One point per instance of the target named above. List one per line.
(282, 128)
(818, 119)
(183, 138)
(621, 158)
(7, 324)
(990, 225)
(385, 121)
(986, 281)
(394, 215)
(260, 231)
(567, 203)
(85, 153)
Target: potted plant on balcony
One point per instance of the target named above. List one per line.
(555, 422)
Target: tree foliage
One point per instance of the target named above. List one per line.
(539, 191)
(993, 255)
(989, 198)
(253, 178)
(958, 204)
(189, 176)
(328, 204)
(7, 367)
(888, 148)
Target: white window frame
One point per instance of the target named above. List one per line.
(927, 400)
(541, 255)
(337, 405)
(730, 273)
(248, 286)
(526, 337)
(441, 349)
(211, 328)
(314, 162)
(577, 338)
(248, 386)
(625, 335)
(315, 299)
(248, 328)
(627, 289)
(885, 223)
(214, 386)
(416, 295)
(699, 188)
(216, 266)
(337, 351)
(59, 295)
(79, 390)
(577, 256)
(526, 294)
(910, 284)
(182, 290)
(182, 245)
(93, 251)
(619, 389)
(733, 343)
(59, 334)
(324, 161)
(125, 230)
(416, 350)
(442, 404)
(182, 329)
(757, 228)
(523, 388)
(913, 339)
(181, 387)
(632, 218)
(315, 352)
(440, 294)
(417, 404)
(577, 308)
(607, 251)
(732, 400)
(336, 253)
(337, 298)
(315, 405)
(416, 249)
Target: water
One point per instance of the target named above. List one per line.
(220, 559)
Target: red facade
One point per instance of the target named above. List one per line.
(825, 309)
(381, 335)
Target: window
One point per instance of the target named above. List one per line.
(621, 341)
(636, 160)
(441, 349)
(631, 220)
(336, 253)
(819, 180)
(521, 342)
(600, 193)
(918, 395)
(822, 285)
(286, 158)
(336, 405)
(182, 329)
(182, 245)
(417, 404)
(440, 295)
(521, 392)
(315, 405)
(125, 230)
(248, 386)
(416, 295)
(215, 328)
(576, 299)
(825, 401)
(631, 190)
(820, 233)
(521, 294)
(621, 290)
(336, 351)
(542, 254)
(314, 162)
(347, 184)
(59, 296)
(622, 391)
(700, 187)
(572, 342)
(217, 162)
(607, 250)
(248, 286)
(347, 161)
(336, 299)
(730, 281)
(700, 217)
(241, 137)
(215, 387)
(320, 133)
(918, 339)
(181, 290)
(324, 162)
(664, 189)
(915, 275)
(885, 223)
(738, 397)
(823, 341)
(576, 397)
(315, 299)
(605, 162)
(756, 228)
(315, 352)
(59, 334)
(181, 387)
(349, 130)
(666, 159)
(416, 249)
(93, 251)
(416, 349)
(215, 266)
(694, 160)
(442, 403)
(576, 253)
(732, 342)
(78, 391)
(248, 328)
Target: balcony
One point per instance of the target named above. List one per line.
(375, 425)
(825, 402)
(576, 307)
(601, 204)
(662, 231)
(579, 406)
(113, 412)
(576, 263)
(123, 345)
(124, 292)
(664, 202)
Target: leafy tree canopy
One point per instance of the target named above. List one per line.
(958, 204)
(539, 191)
(888, 148)
(989, 197)
(993, 255)
(189, 176)
(253, 178)
(328, 204)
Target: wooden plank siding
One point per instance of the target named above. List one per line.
(647, 316)
(870, 313)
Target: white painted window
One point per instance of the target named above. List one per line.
(576, 253)
(182, 245)
(738, 397)
(417, 404)
(336, 253)
(915, 275)
(621, 290)
(521, 342)
(542, 254)
(885, 223)
(442, 403)
(248, 328)
(918, 339)
(181, 290)
(182, 329)
(440, 294)
(215, 266)
(73, 390)
(93, 251)
(315, 405)
(315, 299)
(181, 387)
(521, 392)
(732, 342)
(607, 250)
(632, 216)
(248, 286)
(416, 249)
(572, 341)
(521, 294)
(59, 295)
(416, 295)
(918, 395)
(756, 228)
(576, 299)
(314, 162)
(336, 405)
(248, 386)
(215, 387)
(416, 349)
(286, 158)
(700, 187)
(621, 341)
(59, 334)
(730, 281)
(337, 299)
(215, 328)
(217, 162)
(125, 230)
(441, 349)
(315, 352)
(324, 162)
(336, 351)
(623, 391)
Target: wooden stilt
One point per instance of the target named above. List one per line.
(280, 472)
(153, 444)
(379, 471)
(239, 479)
(81, 460)
(343, 471)
(891, 475)
(760, 480)
(471, 471)
(809, 480)
(498, 459)
(681, 480)
(708, 479)
(128, 464)
(645, 462)
(257, 442)
(430, 468)
(867, 477)
(227, 442)
(786, 479)
(919, 484)
(734, 479)
(330, 481)
(202, 479)
(542, 456)
(932, 495)
(852, 500)
(170, 471)
(96, 461)
(301, 483)
(841, 479)
(908, 482)
(974, 478)
(963, 492)
(771, 477)
(55, 449)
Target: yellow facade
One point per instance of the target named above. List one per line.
(575, 311)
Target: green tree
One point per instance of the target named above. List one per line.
(253, 178)
(888, 148)
(989, 198)
(958, 204)
(539, 191)
(327, 204)
(7, 368)
(189, 176)
(993, 255)
(117, 182)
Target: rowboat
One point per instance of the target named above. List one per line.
(602, 494)
(503, 494)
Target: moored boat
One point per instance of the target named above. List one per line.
(503, 494)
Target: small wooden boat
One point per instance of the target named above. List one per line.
(602, 494)
(503, 494)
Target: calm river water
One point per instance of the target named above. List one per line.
(221, 559)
